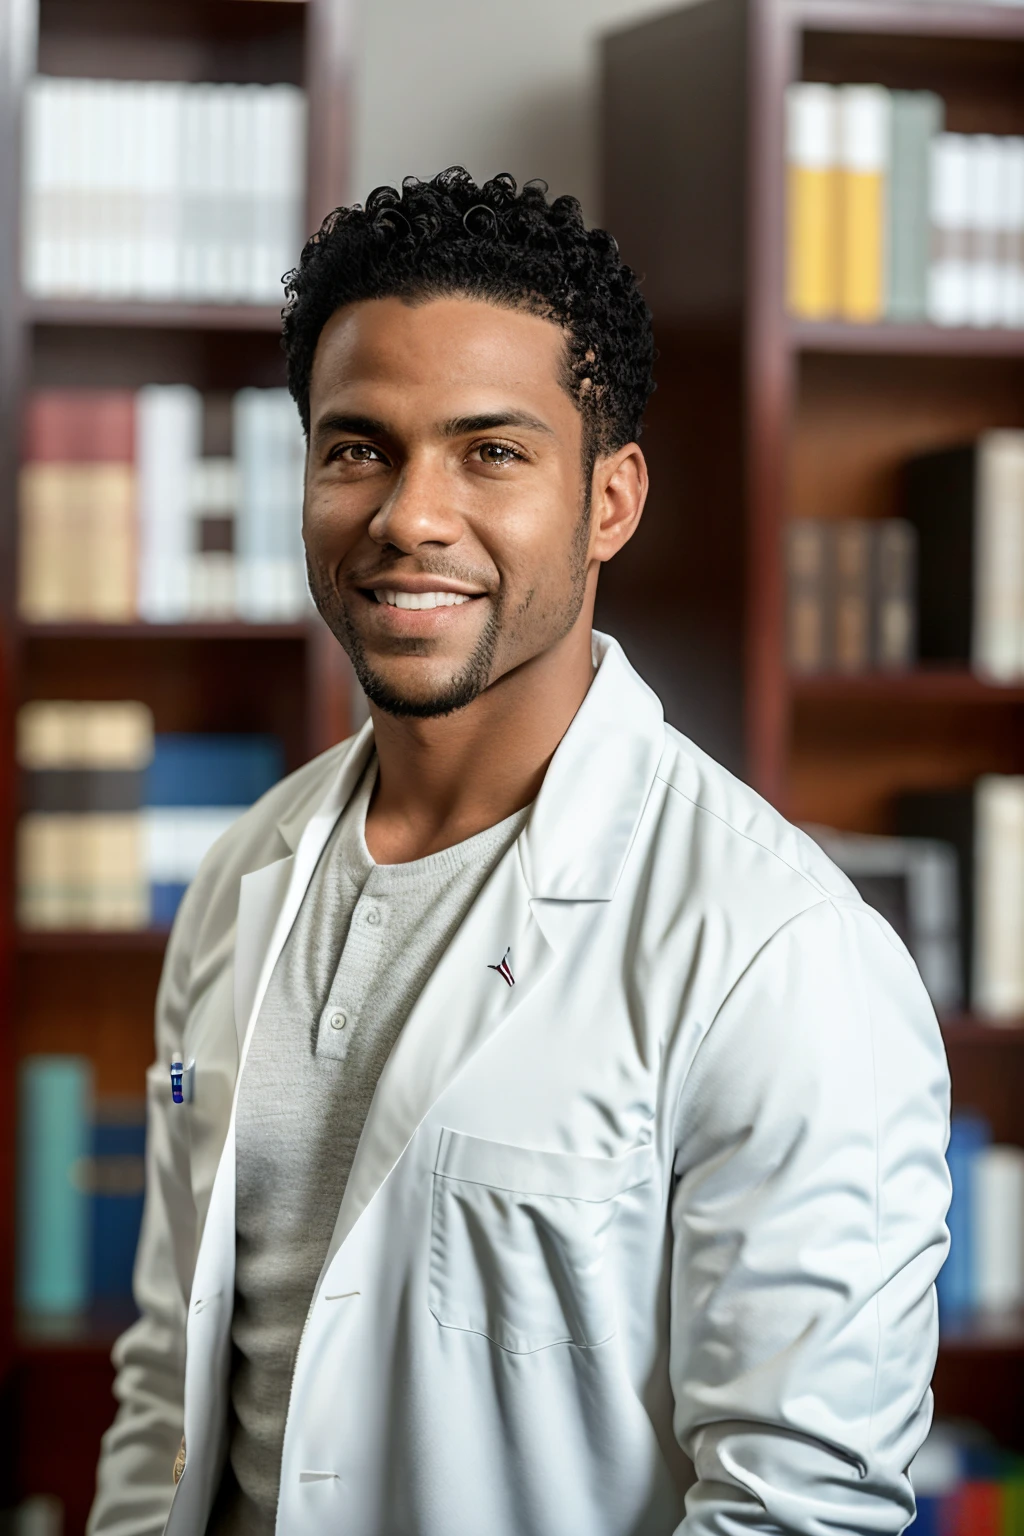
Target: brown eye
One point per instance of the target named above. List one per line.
(497, 453)
(357, 453)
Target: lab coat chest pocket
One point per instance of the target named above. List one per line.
(518, 1239)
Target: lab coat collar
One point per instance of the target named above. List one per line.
(585, 817)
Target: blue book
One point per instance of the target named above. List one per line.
(969, 1133)
(927, 1521)
(212, 769)
(54, 1118)
(118, 1186)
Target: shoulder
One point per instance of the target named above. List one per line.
(719, 814)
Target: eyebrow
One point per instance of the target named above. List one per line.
(457, 426)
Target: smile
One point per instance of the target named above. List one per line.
(420, 599)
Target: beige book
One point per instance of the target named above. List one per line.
(42, 563)
(59, 733)
(997, 645)
(43, 856)
(110, 541)
(999, 897)
(117, 891)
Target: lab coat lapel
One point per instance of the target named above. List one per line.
(465, 1002)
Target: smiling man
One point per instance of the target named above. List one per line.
(562, 1145)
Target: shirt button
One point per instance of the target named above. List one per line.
(338, 1020)
(373, 917)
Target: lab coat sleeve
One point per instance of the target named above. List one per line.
(135, 1475)
(808, 1227)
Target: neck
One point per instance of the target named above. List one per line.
(445, 779)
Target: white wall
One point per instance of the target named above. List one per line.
(495, 85)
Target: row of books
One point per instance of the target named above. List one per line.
(945, 583)
(890, 218)
(985, 1268)
(123, 515)
(951, 883)
(158, 190)
(851, 594)
(81, 1181)
(116, 818)
(965, 1484)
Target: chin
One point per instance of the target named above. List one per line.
(422, 698)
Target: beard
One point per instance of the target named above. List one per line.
(456, 693)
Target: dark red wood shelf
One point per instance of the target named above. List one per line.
(160, 316)
(922, 685)
(965, 1030)
(230, 629)
(838, 336)
(44, 941)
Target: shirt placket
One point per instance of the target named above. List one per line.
(359, 963)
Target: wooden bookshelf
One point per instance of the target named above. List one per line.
(759, 417)
(287, 679)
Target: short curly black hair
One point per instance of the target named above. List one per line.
(512, 247)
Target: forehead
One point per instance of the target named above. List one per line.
(449, 353)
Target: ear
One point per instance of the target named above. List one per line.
(618, 493)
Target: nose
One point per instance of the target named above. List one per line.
(421, 508)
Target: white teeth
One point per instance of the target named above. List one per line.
(419, 599)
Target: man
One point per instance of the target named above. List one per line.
(565, 1148)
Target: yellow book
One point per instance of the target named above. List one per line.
(77, 542)
(864, 133)
(812, 211)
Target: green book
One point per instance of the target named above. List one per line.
(54, 1128)
(917, 116)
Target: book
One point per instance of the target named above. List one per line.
(270, 449)
(969, 1135)
(79, 842)
(916, 119)
(117, 1186)
(54, 1113)
(77, 506)
(967, 505)
(169, 425)
(863, 145)
(998, 1195)
(159, 190)
(196, 787)
(852, 594)
(812, 200)
(851, 599)
(950, 201)
(808, 645)
(913, 883)
(986, 194)
(1011, 234)
(894, 604)
(998, 963)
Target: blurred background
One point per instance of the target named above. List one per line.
(826, 201)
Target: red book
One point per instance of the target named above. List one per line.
(79, 426)
(975, 1509)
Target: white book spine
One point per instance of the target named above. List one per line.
(1012, 265)
(192, 175)
(217, 236)
(169, 431)
(35, 254)
(984, 289)
(999, 557)
(999, 897)
(949, 271)
(997, 1187)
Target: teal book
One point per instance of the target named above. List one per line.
(917, 116)
(54, 1145)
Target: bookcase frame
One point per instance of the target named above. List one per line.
(55, 1392)
(755, 409)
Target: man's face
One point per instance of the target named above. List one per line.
(445, 510)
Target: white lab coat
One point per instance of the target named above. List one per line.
(643, 1243)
